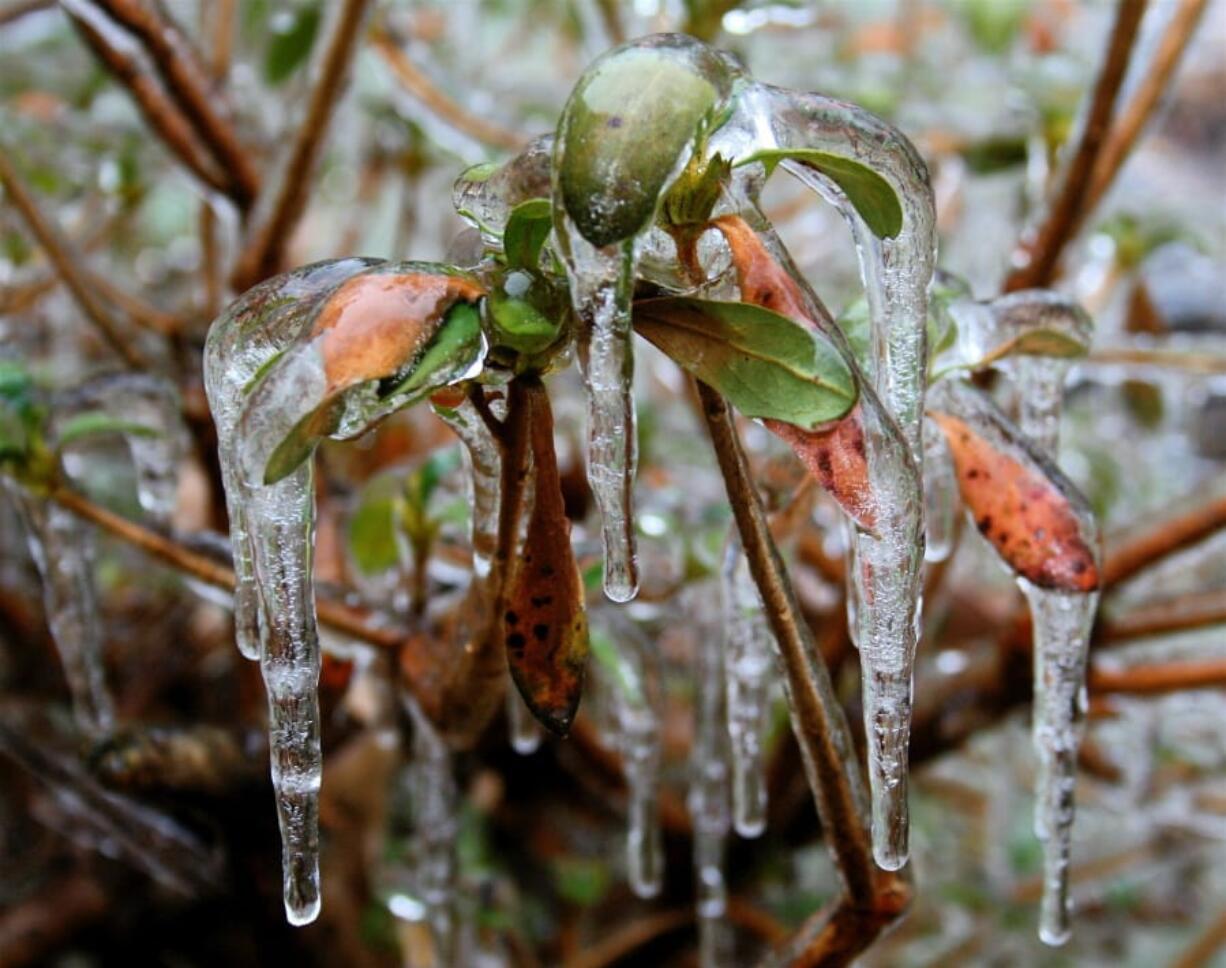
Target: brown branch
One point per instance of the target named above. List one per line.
(159, 111)
(220, 16)
(136, 309)
(624, 942)
(36, 928)
(1189, 361)
(1179, 614)
(1205, 946)
(285, 195)
(1136, 114)
(1161, 539)
(415, 81)
(820, 726)
(15, 11)
(187, 82)
(66, 261)
(1159, 677)
(1038, 254)
(341, 617)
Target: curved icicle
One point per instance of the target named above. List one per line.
(748, 666)
(940, 497)
(256, 328)
(62, 548)
(483, 461)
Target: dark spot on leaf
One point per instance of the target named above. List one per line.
(541, 632)
(540, 601)
(516, 641)
(512, 618)
(614, 122)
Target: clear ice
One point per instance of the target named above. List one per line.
(748, 672)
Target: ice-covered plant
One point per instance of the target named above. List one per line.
(641, 214)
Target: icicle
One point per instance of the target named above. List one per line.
(156, 440)
(940, 497)
(257, 327)
(485, 195)
(483, 461)
(602, 286)
(629, 661)
(62, 548)
(1062, 626)
(624, 137)
(708, 799)
(748, 663)
(525, 729)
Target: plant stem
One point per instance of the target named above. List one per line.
(1161, 539)
(1140, 108)
(1155, 678)
(1038, 255)
(820, 726)
(188, 83)
(1179, 614)
(66, 261)
(285, 196)
(334, 614)
(415, 81)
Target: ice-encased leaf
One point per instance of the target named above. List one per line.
(486, 194)
(1037, 521)
(868, 192)
(1030, 322)
(380, 341)
(543, 622)
(766, 364)
(527, 229)
(626, 128)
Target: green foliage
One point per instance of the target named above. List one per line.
(288, 49)
(871, 194)
(528, 227)
(767, 365)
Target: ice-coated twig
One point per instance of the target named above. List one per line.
(748, 666)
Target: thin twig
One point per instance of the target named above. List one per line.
(217, 20)
(15, 11)
(821, 728)
(1180, 614)
(1206, 946)
(285, 196)
(1187, 360)
(162, 115)
(1155, 678)
(619, 945)
(188, 84)
(415, 81)
(1161, 539)
(334, 614)
(136, 309)
(66, 262)
(1039, 253)
(1136, 114)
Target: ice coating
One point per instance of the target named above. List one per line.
(940, 496)
(1062, 626)
(524, 728)
(157, 440)
(483, 463)
(626, 133)
(1063, 619)
(420, 867)
(896, 271)
(709, 796)
(62, 548)
(748, 667)
(485, 195)
(629, 661)
(256, 328)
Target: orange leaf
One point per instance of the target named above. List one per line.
(374, 323)
(835, 455)
(1029, 522)
(543, 622)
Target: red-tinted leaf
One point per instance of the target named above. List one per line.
(1026, 517)
(374, 323)
(543, 622)
(834, 455)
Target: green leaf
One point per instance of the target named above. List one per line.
(372, 533)
(521, 326)
(857, 326)
(96, 423)
(627, 123)
(527, 229)
(765, 364)
(288, 49)
(871, 194)
(455, 347)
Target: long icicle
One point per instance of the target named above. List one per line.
(748, 666)
(708, 800)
